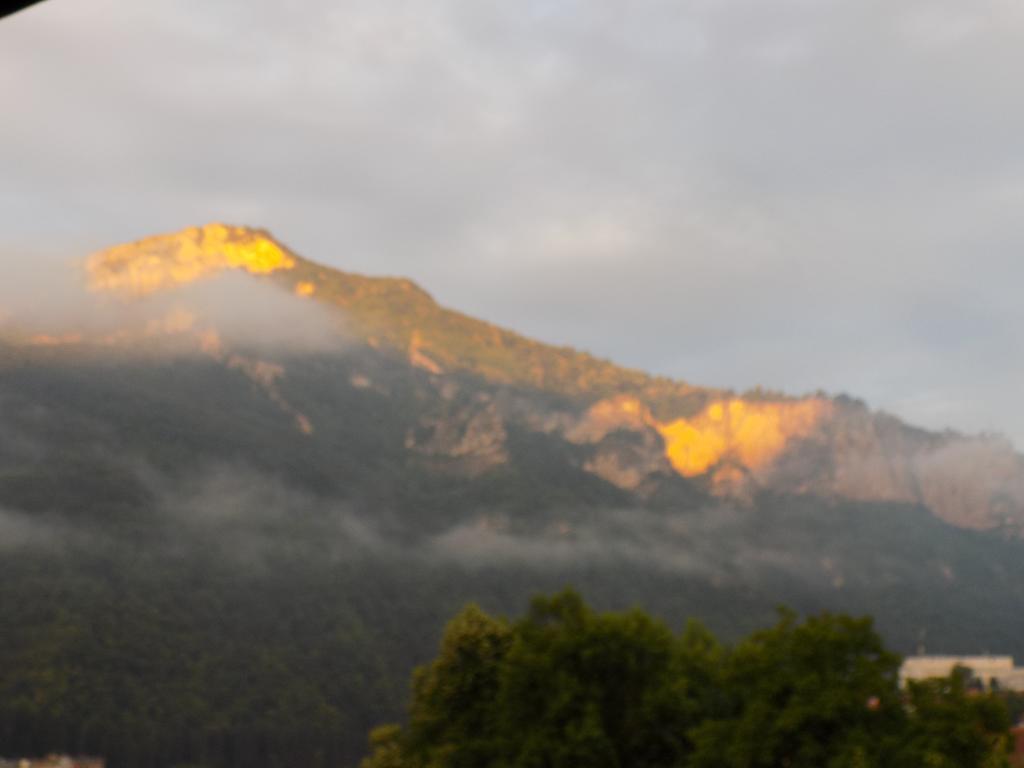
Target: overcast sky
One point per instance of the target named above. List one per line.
(800, 194)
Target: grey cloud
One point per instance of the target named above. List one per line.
(252, 519)
(25, 533)
(719, 544)
(800, 195)
(252, 514)
(256, 314)
(50, 295)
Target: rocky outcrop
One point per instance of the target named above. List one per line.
(167, 261)
(830, 448)
(466, 440)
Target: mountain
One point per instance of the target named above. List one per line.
(732, 445)
(240, 492)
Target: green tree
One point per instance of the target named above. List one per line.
(562, 687)
(952, 727)
(565, 687)
(581, 688)
(821, 693)
(453, 721)
(388, 748)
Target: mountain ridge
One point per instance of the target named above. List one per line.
(390, 311)
(734, 444)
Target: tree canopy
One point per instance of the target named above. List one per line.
(565, 686)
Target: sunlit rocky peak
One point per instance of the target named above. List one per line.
(165, 261)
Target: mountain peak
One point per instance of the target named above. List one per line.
(387, 312)
(165, 261)
(629, 428)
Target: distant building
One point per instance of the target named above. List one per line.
(53, 761)
(990, 671)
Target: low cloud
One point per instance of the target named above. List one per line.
(251, 519)
(50, 303)
(24, 533)
(253, 522)
(714, 543)
(253, 313)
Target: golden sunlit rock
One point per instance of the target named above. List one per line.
(605, 416)
(165, 261)
(691, 449)
(753, 433)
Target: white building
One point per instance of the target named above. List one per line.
(997, 670)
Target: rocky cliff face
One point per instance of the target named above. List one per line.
(631, 430)
(826, 448)
(830, 448)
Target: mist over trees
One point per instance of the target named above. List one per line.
(190, 580)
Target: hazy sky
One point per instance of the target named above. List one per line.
(800, 194)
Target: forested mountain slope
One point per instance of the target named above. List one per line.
(241, 492)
